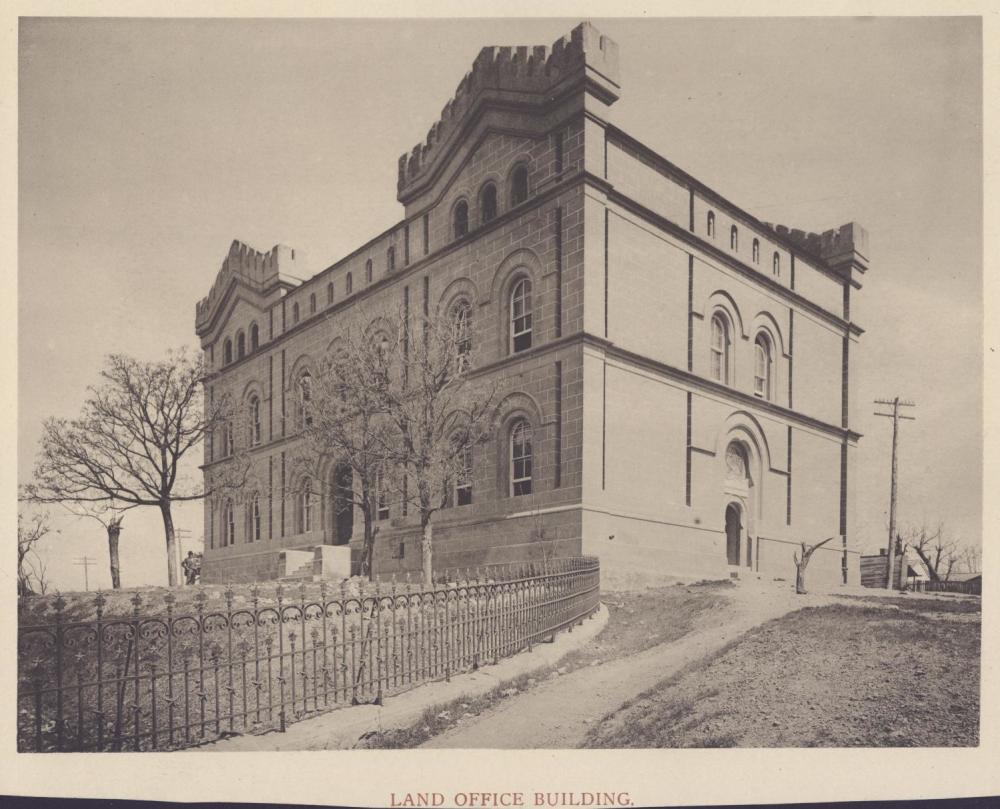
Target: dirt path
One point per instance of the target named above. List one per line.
(560, 712)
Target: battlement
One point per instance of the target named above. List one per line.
(585, 54)
(849, 242)
(254, 268)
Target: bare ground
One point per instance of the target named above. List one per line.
(881, 672)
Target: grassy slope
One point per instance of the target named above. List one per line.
(872, 673)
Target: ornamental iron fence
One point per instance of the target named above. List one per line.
(167, 676)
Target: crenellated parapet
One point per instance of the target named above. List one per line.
(585, 55)
(844, 247)
(258, 270)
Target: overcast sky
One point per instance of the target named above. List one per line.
(147, 146)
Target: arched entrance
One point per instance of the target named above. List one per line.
(342, 484)
(734, 529)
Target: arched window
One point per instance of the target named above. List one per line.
(381, 497)
(229, 526)
(519, 185)
(734, 238)
(227, 352)
(488, 203)
(390, 259)
(349, 283)
(295, 312)
(520, 458)
(305, 399)
(254, 408)
(255, 518)
(461, 317)
(312, 303)
(710, 224)
(720, 349)
(461, 219)
(463, 481)
(756, 251)
(254, 337)
(329, 293)
(306, 506)
(762, 367)
(369, 271)
(241, 345)
(230, 439)
(520, 316)
(776, 264)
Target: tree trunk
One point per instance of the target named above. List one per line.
(427, 548)
(168, 529)
(114, 529)
(368, 549)
(800, 578)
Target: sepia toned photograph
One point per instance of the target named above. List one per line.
(499, 383)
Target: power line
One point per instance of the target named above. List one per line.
(85, 562)
(896, 416)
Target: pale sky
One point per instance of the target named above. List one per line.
(146, 146)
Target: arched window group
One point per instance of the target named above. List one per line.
(488, 200)
(520, 458)
(720, 360)
(520, 315)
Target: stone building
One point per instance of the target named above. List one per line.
(678, 370)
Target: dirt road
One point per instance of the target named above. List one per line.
(559, 712)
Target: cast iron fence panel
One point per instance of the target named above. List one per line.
(163, 678)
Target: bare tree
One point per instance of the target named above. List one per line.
(801, 562)
(345, 431)
(939, 555)
(31, 578)
(440, 409)
(971, 559)
(127, 446)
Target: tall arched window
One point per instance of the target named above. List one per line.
(520, 458)
(230, 439)
(305, 399)
(776, 264)
(306, 506)
(254, 337)
(762, 366)
(520, 316)
(227, 352)
(720, 348)
(461, 219)
(241, 345)
(488, 203)
(390, 259)
(329, 293)
(461, 317)
(369, 271)
(756, 251)
(710, 224)
(255, 518)
(734, 238)
(349, 283)
(229, 526)
(295, 312)
(312, 303)
(254, 408)
(519, 185)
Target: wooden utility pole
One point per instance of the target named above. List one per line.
(86, 562)
(895, 415)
